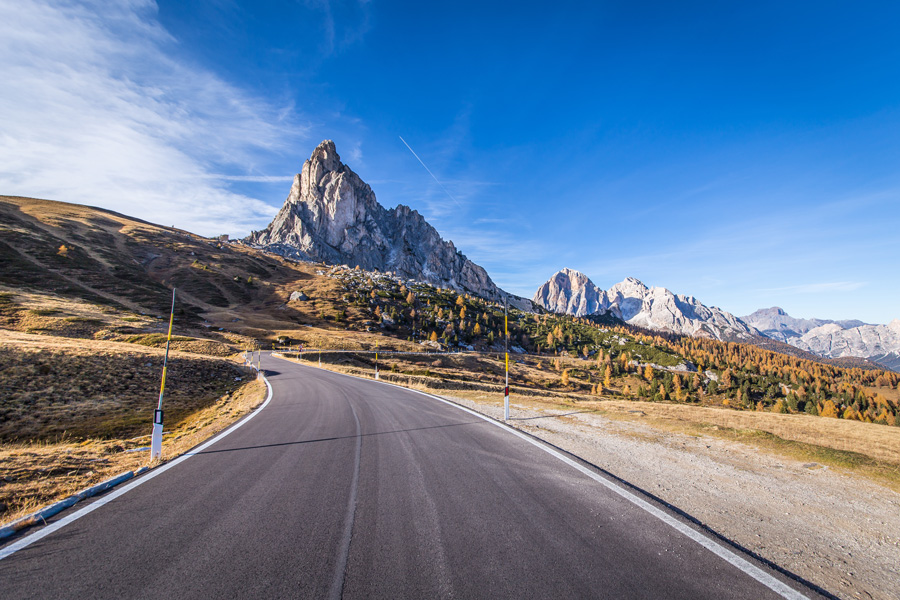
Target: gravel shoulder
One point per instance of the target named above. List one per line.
(836, 529)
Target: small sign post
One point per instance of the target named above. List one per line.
(506, 337)
(157, 435)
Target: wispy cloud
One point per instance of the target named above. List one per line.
(96, 109)
(251, 178)
(344, 22)
(818, 288)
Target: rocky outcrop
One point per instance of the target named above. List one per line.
(657, 308)
(331, 215)
(572, 293)
(832, 339)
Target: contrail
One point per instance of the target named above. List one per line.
(429, 172)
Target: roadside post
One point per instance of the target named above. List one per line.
(506, 338)
(376, 361)
(157, 435)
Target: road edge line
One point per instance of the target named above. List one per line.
(727, 554)
(41, 533)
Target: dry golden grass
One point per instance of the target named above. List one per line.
(877, 441)
(51, 315)
(72, 408)
(51, 386)
(38, 474)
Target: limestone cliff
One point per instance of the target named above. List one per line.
(571, 292)
(331, 215)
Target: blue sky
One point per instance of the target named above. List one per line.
(744, 153)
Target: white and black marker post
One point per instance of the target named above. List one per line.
(156, 437)
(376, 360)
(506, 338)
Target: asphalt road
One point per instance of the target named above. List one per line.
(355, 489)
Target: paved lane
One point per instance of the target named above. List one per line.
(349, 488)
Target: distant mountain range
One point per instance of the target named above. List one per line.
(331, 215)
(778, 325)
(571, 292)
(832, 339)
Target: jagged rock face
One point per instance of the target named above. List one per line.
(331, 215)
(878, 343)
(653, 308)
(778, 325)
(658, 308)
(833, 339)
(572, 293)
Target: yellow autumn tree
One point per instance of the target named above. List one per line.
(433, 337)
(828, 410)
(564, 378)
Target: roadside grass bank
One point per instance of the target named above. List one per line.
(76, 412)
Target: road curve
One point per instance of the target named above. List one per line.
(346, 488)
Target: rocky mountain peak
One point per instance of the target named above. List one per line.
(573, 293)
(332, 215)
(326, 155)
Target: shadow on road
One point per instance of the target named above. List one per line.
(344, 437)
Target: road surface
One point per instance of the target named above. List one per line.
(349, 488)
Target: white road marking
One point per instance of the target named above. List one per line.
(777, 586)
(41, 533)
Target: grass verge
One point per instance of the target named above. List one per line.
(33, 475)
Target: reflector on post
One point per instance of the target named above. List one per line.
(156, 436)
